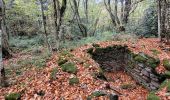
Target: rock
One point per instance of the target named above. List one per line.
(144, 72)
(156, 84)
(152, 76)
(146, 79)
(148, 69)
(155, 79)
(141, 65)
(152, 87)
(137, 70)
(113, 96)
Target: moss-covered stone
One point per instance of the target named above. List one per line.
(90, 50)
(13, 96)
(69, 67)
(168, 87)
(73, 81)
(126, 86)
(166, 64)
(53, 74)
(167, 74)
(155, 52)
(62, 61)
(152, 96)
(152, 62)
(95, 45)
(96, 94)
(140, 59)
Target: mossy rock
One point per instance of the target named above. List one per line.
(166, 64)
(152, 62)
(96, 94)
(53, 74)
(66, 53)
(90, 50)
(140, 59)
(155, 52)
(73, 81)
(13, 96)
(62, 61)
(152, 96)
(168, 87)
(95, 45)
(126, 86)
(167, 74)
(69, 67)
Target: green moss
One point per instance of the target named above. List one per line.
(163, 84)
(168, 87)
(13, 96)
(62, 61)
(95, 45)
(73, 81)
(96, 94)
(152, 96)
(69, 67)
(152, 62)
(126, 86)
(66, 53)
(53, 74)
(166, 64)
(140, 59)
(155, 52)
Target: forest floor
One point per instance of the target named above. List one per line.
(33, 82)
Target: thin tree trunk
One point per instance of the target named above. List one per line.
(44, 26)
(159, 19)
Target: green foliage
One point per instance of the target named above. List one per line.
(73, 81)
(152, 96)
(166, 64)
(69, 67)
(126, 86)
(53, 74)
(13, 96)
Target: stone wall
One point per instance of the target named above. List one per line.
(140, 67)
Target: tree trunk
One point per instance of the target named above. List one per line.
(44, 26)
(58, 18)
(159, 19)
(5, 45)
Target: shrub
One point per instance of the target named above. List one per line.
(152, 96)
(13, 96)
(69, 67)
(166, 64)
(73, 81)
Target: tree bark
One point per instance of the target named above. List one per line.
(44, 26)
(5, 45)
(58, 18)
(159, 19)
